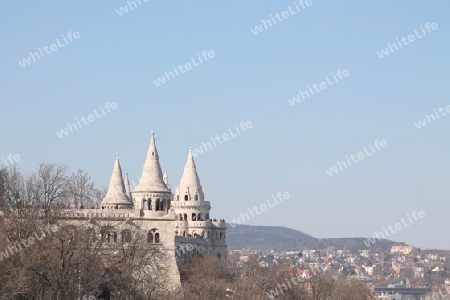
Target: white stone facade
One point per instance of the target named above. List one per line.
(176, 223)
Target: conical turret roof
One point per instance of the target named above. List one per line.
(127, 186)
(152, 180)
(190, 183)
(116, 194)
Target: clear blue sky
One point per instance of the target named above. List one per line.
(250, 78)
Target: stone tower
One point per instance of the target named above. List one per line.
(192, 213)
(116, 197)
(151, 195)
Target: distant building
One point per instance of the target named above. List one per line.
(402, 249)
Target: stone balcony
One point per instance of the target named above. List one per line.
(99, 213)
(190, 203)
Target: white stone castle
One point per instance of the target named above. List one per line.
(173, 221)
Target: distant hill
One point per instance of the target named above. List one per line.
(285, 239)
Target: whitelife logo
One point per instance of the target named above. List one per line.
(360, 156)
(89, 119)
(123, 10)
(263, 207)
(27, 61)
(187, 66)
(397, 226)
(225, 137)
(323, 85)
(411, 38)
(423, 122)
(12, 158)
(284, 15)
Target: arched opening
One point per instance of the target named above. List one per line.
(221, 234)
(185, 217)
(157, 205)
(157, 238)
(207, 216)
(178, 197)
(186, 197)
(196, 197)
(149, 204)
(184, 233)
(149, 237)
(126, 236)
(144, 204)
(181, 217)
(106, 234)
(199, 217)
(194, 217)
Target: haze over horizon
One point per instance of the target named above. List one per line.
(250, 78)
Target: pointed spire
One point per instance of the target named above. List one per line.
(127, 186)
(190, 183)
(116, 194)
(152, 178)
(166, 179)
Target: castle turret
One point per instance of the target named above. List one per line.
(166, 179)
(127, 187)
(190, 188)
(192, 211)
(189, 202)
(116, 197)
(152, 192)
(152, 178)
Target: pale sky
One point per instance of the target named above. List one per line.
(250, 78)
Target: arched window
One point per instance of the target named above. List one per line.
(149, 204)
(184, 233)
(221, 234)
(196, 197)
(105, 233)
(181, 217)
(157, 238)
(199, 217)
(126, 236)
(144, 204)
(185, 217)
(194, 218)
(157, 205)
(186, 197)
(149, 237)
(178, 197)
